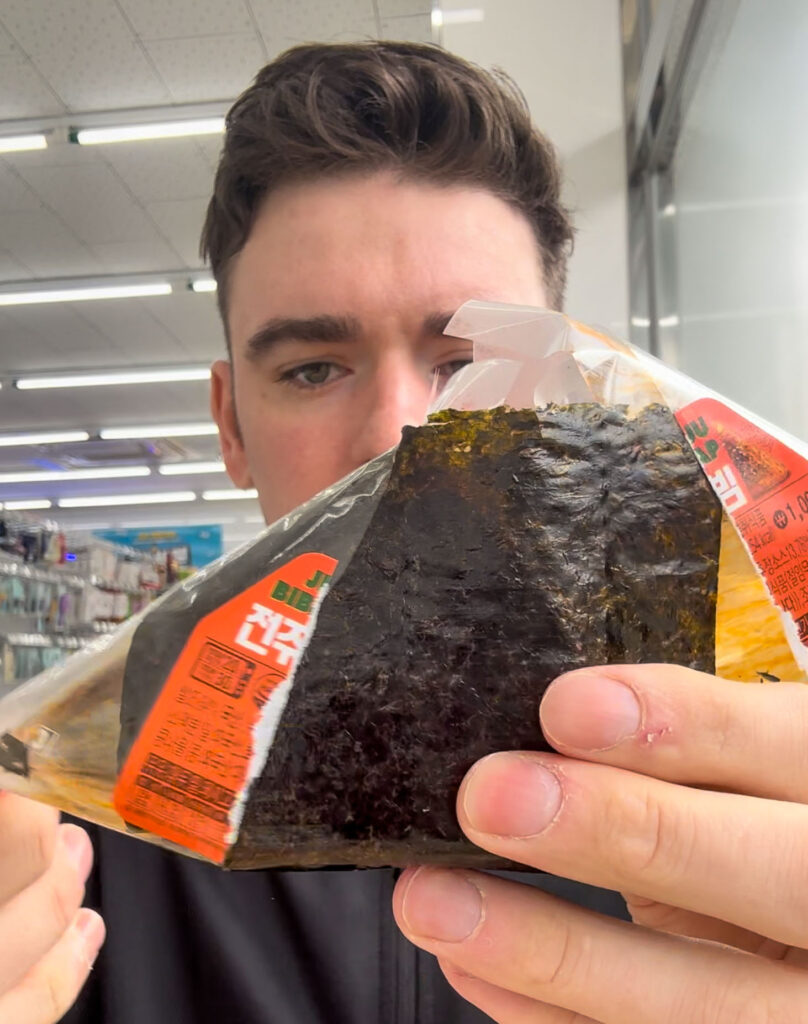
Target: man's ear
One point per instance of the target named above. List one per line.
(223, 410)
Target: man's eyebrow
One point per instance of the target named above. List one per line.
(436, 323)
(322, 328)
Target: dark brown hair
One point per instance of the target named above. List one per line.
(320, 110)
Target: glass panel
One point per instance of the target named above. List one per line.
(740, 207)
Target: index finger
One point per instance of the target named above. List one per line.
(684, 726)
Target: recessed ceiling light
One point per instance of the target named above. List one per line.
(187, 468)
(229, 495)
(43, 437)
(143, 132)
(205, 429)
(22, 143)
(105, 473)
(119, 291)
(92, 380)
(153, 498)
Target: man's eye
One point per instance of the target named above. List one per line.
(312, 375)
(447, 370)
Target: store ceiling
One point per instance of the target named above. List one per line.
(72, 212)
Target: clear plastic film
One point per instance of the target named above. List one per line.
(315, 698)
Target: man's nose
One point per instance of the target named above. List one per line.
(396, 397)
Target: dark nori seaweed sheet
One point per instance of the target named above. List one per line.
(507, 547)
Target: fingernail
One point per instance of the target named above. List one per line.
(441, 905)
(589, 712)
(511, 795)
(89, 929)
(78, 850)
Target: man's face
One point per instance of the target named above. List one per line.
(337, 305)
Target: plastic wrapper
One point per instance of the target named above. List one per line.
(315, 698)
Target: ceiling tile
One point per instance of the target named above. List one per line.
(193, 319)
(162, 169)
(86, 51)
(23, 92)
(181, 222)
(12, 270)
(415, 28)
(57, 326)
(15, 193)
(136, 257)
(7, 44)
(41, 241)
(93, 408)
(20, 345)
(130, 325)
(157, 19)
(93, 202)
(403, 8)
(309, 20)
(230, 63)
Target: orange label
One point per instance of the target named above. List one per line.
(192, 758)
(763, 485)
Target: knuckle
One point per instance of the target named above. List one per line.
(37, 848)
(562, 965)
(753, 1000)
(53, 995)
(48, 991)
(64, 895)
(647, 838)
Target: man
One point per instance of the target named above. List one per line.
(363, 194)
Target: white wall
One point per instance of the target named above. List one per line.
(566, 57)
(741, 191)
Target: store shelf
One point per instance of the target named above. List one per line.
(59, 578)
(23, 571)
(66, 641)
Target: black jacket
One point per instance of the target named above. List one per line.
(190, 944)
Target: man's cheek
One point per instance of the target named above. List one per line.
(291, 463)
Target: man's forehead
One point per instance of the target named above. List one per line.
(348, 253)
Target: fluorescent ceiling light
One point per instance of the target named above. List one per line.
(207, 429)
(93, 380)
(43, 437)
(663, 321)
(463, 16)
(106, 473)
(141, 132)
(22, 143)
(669, 210)
(153, 498)
(122, 291)
(203, 284)
(24, 506)
(187, 468)
(229, 495)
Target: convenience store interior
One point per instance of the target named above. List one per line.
(679, 124)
